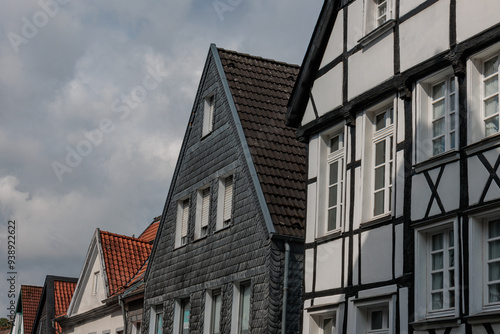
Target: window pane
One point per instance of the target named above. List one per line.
(451, 260)
(438, 90)
(379, 153)
(437, 281)
(437, 241)
(437, 301)
(377, 320)
(452, 84)
(491, 86)
(452, 102)
(437, 261)
(491, 106)
(186, 310)
(491, 67)
(379, 177)
(334, 173)
(245, 310)
(494, 271)
(494, 228)
(332, 219)
(217, 303)
(494, 250)
(380, 121)
(438, 127)
(379, 203)
(491, 126)
(452, 278)
(334, 144)
(438, 109)
(452, 298)
(332, 196)
(494, 293)
(452, 140)
(328, 326)
(451, 239)
(159, 323)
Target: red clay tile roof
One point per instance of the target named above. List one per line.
(123, 257)
(260, 89)
(30, 298)
(63, 292)
(149, 234)
(139, 276)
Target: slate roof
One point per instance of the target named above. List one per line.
(261, 89)
(30, 298)
(149, 233)
(123, 257)
(63, 292)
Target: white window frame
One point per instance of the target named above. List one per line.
(373, 14)
(372, 137)
(326, 159)
(208, 114)
(424, 145)
(210, 309)
(237, 309)
(202, 220)
(180, 307)
(182, 222)
(362, 309)
(316, 318)
(475, 86)
(423, 271)
(156, 313)
(225, 205)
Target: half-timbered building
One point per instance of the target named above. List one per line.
(398, 101)
(228, 256)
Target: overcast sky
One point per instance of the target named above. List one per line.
(94, 101)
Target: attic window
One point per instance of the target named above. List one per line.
(208, 115)
(95, 285)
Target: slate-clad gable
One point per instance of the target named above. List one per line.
(246, 142)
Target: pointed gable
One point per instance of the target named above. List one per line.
(260, 89)
(123, 257)
(30, 299)
(149, 233)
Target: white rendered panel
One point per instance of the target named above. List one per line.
(358, 199)
(406, 5)
(313, 152)
(376, 255)
(400, 183)
(403, 310)
(355, 256)
(478, 176)
(309, 268)
(475, 16)
(400, 119)
(354, 23)
(425, 35)
(328, 265)
(420, 196)
(336, 43)
(360, 131)
(399, 260)
(309, 115)
(311, 212)
(327, 90)
(449, 188)
(364, 72)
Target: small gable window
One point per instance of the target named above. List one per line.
(208, 115)
(95, 284)
(225, 201)
(181, 235)
(202, 213)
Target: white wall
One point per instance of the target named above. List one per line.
(475, 16)
(376, 255)
(112, 322)
(88, 300)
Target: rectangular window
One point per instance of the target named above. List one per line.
(225, 201)
(216, 312)
(374, 316)
(493, 262)
(335, 183)
(381, 12)
(441, 272)
(490, 96)
(377, 14)
(378, 320)
(95, 285)
(202, 213)
(158, 321)
(185, 313)
(244, 314)
(182, 221)
(208, 115)
(383, 162)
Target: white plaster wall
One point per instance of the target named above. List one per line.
(376, 255)
(449, 188)
(327, 90)
(308, 270)
(475, 16)
(90, 301)
(371, 66)
(406, 5)
(329, 260)
(420, 195)
(399, 183)
(403, 311)
(400, 119)
(311, 212)
(358, 199)
(425, 35)
(313, 156)
(336, 43)
(354, 23)
(478, 176)
(355, 256)
(111, 322)
(309, 115)
(399, 260)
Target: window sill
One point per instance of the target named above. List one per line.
(483, 144)
(223, 228)
(443, 158)
(426, 324)
(180, 246)
(379, 220)
(486, 316)
(200, 238)
(330, 236)
(375, 34)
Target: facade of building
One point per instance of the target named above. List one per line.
(26, 308)
(56, 296)
(228, 257)
(112, 267)
(398, 102)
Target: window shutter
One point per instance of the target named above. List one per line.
(211, 103)
(205, 206)
(228, 198)
(185, 216)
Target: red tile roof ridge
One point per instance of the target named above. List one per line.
(242, 54)
(123, 236)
